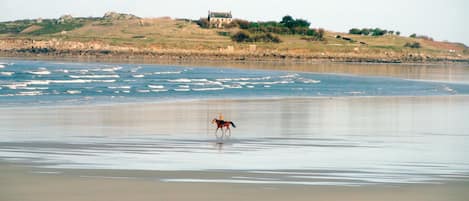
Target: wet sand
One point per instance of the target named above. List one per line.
(405, 148)
(21, 183)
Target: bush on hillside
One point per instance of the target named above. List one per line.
(244, 36)
(415, 45)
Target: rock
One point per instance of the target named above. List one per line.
(119, 16)
(64, 18)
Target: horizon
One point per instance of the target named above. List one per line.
(441, 20)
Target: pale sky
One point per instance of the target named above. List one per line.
(440, 19)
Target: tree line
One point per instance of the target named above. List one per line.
(373, 32)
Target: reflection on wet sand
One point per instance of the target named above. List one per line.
(361, 140)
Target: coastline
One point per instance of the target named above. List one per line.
(217, 57)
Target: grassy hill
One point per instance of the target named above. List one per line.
(127, 34)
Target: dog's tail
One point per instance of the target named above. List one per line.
(233, 124)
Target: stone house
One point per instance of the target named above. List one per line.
(219, 19)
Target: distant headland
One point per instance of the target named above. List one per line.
(219, 36)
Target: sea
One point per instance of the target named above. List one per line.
(320, 125)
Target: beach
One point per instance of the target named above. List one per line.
(20, 183)
(81, 131)
(131, 151)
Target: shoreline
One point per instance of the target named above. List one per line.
(217, 59)
(217, 100)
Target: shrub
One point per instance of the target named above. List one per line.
(242, 24)
(203, 23)
(241, 36)
(244, 36)
(413, 35)
(413, 45)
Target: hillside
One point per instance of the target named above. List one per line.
(121, 35)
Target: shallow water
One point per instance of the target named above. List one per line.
(52, 83)
(344, 130)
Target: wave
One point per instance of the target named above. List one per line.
(94, 76)
(156, 86)
(138, 76)
(112, 69)
(7, 73)
(208, 89)
(181, 89)
(18, 85)
(183, 86)
(181, 80)
(167, 72)
(119, 87)
(309, 81)
(244, 79)
(159, 90)
(30, 93)
(143, 90)
(41, 72)
(73, 91)
(2, 66)
(289, 76)
(235, 86)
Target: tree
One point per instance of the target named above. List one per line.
(413, 35)
(398, 33)
(355, 31)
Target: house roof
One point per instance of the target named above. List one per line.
(220, 14)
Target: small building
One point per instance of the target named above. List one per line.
(219, 19)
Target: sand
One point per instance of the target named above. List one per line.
(20, 183)
(392, 118)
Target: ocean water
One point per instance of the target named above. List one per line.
(298, 128)
(45, 82)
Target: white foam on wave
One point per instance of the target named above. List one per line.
(112, 69)
(167, 72)
(143, 91)
(208, 89)
(77, 81)
(17, 85)
(138, 76)
(94, 76)
(289, 76)
(41, 71)
(183, 86)
(159, 90)
(250, 86)
(244, 79)
(181, 89)
(309, 81)
(7, 73)
(181, 80)
(30, 93)
(73, 91)
(2, 66)
(234, 86)
(156, 86)
(119, 87)
(266, 83)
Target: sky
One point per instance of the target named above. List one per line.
(440, 19)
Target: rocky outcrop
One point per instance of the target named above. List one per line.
(119, 16)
